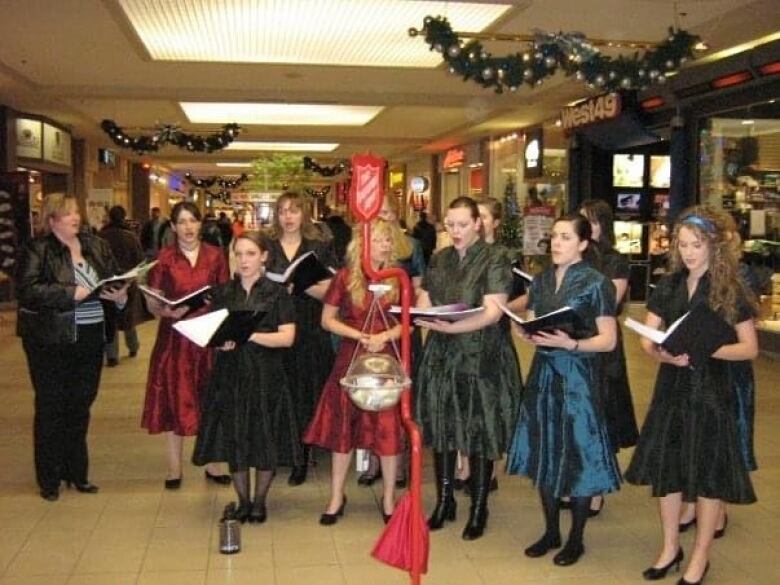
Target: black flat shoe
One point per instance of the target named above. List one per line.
(684, 526)
(330, 519)
(367, 478)
(298, 475)
(569, 554)
(258, 515)
(50, 495)
(218, 479)
(682, 580)
(656, 573)
(243, 512)
(84, 488)
(721, 532)
(542, 546)
(173, 484)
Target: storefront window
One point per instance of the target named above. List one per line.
(740, 172)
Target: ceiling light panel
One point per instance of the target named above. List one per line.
(336, 32)
(283, 146)
(275, 114)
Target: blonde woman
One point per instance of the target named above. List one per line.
(338, 425)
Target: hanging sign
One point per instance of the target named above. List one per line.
(367, 189)
(453, 158)
(591, 111)
(533, 153)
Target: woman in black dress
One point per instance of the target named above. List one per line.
(309, 361)
(613, 379)
(247, 406)
(689, 449)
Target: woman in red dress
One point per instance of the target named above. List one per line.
(338, 425)
(179, 368)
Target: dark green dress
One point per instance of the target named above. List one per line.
(690, 440)
(247, 407)
(468, 385)
(561, 441)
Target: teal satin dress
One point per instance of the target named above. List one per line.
(561, 441)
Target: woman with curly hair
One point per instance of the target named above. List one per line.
(337, 424)
(689, 448)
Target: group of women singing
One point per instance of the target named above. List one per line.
(262, 404)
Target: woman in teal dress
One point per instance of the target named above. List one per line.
(468, 383)
(689, 449)
(561, 441)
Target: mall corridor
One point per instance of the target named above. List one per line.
(133, 532)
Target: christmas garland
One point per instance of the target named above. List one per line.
(223, 195)
(224, 183)
(169, 134)
(318, 194)
(310, 164)
(569, 52)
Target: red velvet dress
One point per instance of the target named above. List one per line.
(338, 425)
(178, 368)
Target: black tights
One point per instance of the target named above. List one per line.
(580, 508)
(263, 480)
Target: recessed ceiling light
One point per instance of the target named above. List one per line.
(284, 146)
(275, 114)
(245, 165)
(339, 32)
(748, 122)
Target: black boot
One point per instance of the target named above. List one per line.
(300, 471)
(574, 549)
(444, 468)
(481, 474)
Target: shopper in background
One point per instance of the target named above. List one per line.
(128, 253)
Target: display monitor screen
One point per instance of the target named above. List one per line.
(628, 170)
(660, 171)
(628, 237)
(628, 202)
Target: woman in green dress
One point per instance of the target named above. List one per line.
(468, 382)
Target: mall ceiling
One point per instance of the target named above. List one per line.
(80, 61)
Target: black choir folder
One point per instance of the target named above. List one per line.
(119, 280)
(306, 271)
(194, 300)
(215, 328)
(454, 312)
(699, 333)
(564, 319)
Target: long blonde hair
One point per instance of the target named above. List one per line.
(717, 230)
(297, 201)
(356, 281)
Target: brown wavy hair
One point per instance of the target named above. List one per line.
(357, 285)
(718, 230)
(298, 201)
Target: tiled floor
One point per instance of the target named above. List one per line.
(135, 533)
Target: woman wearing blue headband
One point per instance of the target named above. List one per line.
(689, 448)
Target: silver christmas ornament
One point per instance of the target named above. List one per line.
(454, 50)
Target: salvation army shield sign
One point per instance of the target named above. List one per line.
(368, 186)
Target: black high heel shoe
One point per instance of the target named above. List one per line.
(84, 488)
(330, 519)
(223, 479)
(656, 573)
(593, 513)
(682, 580)
(243, 512)
(684, 526)
(50, 494)
(721, 532)
(173, 484)
(258, 514)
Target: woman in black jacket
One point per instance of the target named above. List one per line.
(62, 323)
